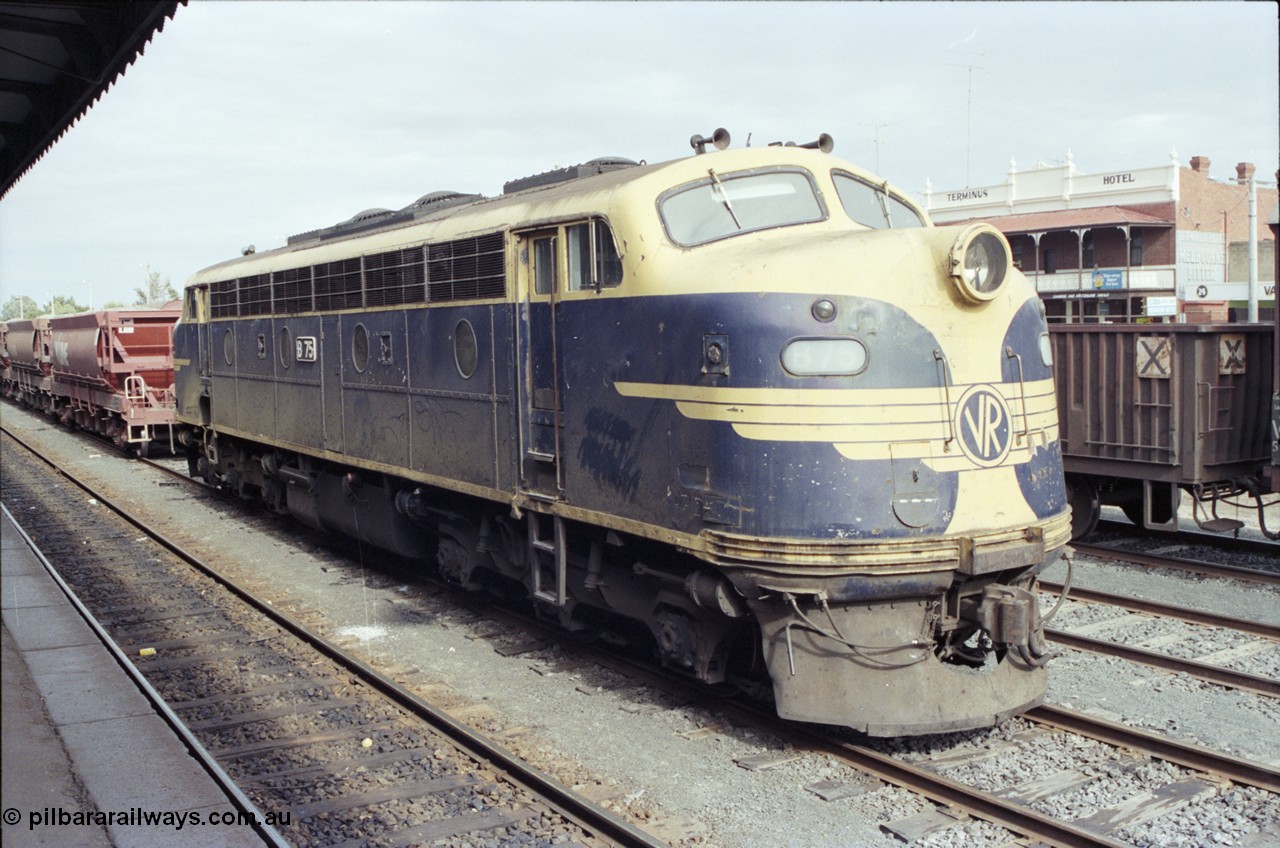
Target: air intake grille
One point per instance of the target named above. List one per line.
(466, 268)
(222, 299)
(255, 295)
(395, 277)
(338, 285)
(292, 290)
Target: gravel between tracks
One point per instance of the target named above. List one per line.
(582, 729)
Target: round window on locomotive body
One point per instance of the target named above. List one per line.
(980, 259)
(825, 357)
(286, 348)
(466, 352)
(360, 348)
(229, 346)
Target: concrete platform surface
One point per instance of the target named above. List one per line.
(87, 761)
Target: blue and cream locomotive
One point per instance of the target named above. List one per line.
(749, 404)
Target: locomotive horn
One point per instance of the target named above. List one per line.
(719, 138)
(825, 143)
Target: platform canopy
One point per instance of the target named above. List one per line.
(56, 60)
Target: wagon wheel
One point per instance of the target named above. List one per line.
(1161, 506)
(1082, 495)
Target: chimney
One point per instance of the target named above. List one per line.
(1244, 171)
(1200, 164)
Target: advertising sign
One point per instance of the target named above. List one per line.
(1108, 278)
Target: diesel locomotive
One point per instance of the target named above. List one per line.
(748, 407)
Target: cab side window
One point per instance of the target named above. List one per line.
(872, 207)
(593, 257)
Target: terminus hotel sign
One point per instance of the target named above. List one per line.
(1106, 180)
(1050, 188)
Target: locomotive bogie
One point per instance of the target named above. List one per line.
(706, 401)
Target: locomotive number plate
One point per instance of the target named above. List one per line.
(304, 349)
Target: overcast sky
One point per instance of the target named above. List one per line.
(245, 122)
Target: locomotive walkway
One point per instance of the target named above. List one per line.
(79, 736)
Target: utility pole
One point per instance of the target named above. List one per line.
(1253, 251)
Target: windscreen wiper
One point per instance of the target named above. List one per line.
(724, 197)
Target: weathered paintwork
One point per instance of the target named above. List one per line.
(885, 502)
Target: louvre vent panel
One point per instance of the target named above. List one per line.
(393, 278)
(255, 295)
(291, 291)
(222, 299)
(464, 269)
(338, 285)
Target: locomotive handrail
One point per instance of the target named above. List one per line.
(1022, 389)
(939, 356)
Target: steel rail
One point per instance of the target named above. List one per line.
(587, 814)
(1192, 756)
(1020, 819)
(202, 755)
(1252, 575)
(1187, 614)
(1241, 680)
(1208, 539)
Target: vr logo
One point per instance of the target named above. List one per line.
(983, 425)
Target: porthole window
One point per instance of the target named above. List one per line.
(286, 347)
(229, 346)
(465, 351)
(360, 348)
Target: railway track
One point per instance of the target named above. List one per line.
(1250, 560)
(1237, 639)
(332, 749)
(1022, 807)
(1185, 774)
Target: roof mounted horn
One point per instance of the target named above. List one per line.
(825, 143)
(719, 139)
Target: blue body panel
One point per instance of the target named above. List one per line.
(637, 458)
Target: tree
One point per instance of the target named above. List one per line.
(19, 306)
(155, 291)
(61, 304)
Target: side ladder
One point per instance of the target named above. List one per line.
(547, 559)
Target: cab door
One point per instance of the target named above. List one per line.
(541, 405)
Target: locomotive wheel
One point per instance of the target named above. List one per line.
(1082, 495)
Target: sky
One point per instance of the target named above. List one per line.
(246, 122)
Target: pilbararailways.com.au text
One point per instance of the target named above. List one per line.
(138, 817)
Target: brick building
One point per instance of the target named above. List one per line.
(1153, 242)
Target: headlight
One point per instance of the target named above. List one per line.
(1046, 350)
(824, 357)
(980, 260)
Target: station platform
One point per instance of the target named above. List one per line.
(87, 761)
